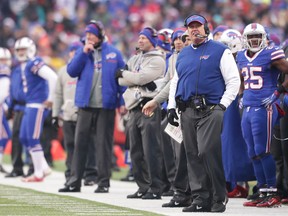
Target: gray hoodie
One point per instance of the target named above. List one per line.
(64, 96)
(142, 69)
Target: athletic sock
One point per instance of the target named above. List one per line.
(37, 156)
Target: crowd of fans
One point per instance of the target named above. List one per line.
(55, 24)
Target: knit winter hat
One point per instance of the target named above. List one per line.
(220, 28)
(92, 29)
(177, 33)
(151, 34)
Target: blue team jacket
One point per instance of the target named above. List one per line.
(82, 66)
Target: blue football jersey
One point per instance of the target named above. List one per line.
(260, 78)
(35, 87)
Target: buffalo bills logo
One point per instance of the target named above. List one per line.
(232, 35)
(111, 55)
(205, 57)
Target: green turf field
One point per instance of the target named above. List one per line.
(18, 201)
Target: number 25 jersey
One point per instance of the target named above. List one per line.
(260, 78)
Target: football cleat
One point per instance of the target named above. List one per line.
(270, 201)
(284, 201)
(255, 201)
(32, 178)
(238, 192)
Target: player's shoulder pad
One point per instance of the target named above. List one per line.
(35, 64)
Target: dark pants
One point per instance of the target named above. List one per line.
(202, 140)
(99, 122)
(169, 166)
(48, 134)
(279, 150)
(17, 148)
(145, 150)
(90, 174)
(181, 183)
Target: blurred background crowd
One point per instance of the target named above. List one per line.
(55, 24)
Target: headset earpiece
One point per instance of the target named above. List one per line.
(206, 27)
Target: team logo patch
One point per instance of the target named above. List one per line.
(205, 57)
(111, 55)
(97, 65)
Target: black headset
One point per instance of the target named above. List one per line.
(100, 27)
(206, 28)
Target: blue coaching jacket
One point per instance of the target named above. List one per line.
(82, 66)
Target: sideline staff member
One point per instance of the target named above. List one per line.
(97, 96)
(206, 82)
(144, 77)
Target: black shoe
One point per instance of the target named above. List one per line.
(89, 182)
(218, 207)
(69, 189)
(137, 195)
(14, 174)
(101, 189)
(196, 208)
(2, 170)
(151, 195)
(174, 203)
(168, 193)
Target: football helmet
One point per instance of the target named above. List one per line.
(166, 31)
(254, 37)
(29, 45)
(5, 56)
(233, 39)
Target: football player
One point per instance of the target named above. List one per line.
(260, 65)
